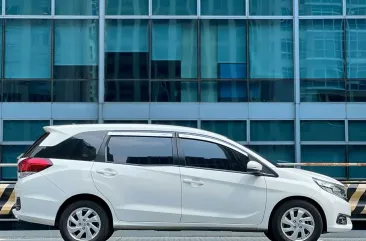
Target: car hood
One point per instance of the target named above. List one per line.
(313, 175)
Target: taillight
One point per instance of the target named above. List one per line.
(31, 166)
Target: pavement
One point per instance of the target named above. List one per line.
(53, 235)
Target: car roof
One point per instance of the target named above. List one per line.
(75, 129)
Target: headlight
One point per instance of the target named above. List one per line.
(333, 188)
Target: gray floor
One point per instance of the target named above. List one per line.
(171, 236)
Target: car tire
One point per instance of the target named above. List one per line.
(98, 220)
(111, 232)
(269, 235)
(286, 222)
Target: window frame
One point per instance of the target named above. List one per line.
(267, 171)
(102, 154)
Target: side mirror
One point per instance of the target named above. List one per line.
(254, 168)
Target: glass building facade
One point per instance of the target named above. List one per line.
(285, 77)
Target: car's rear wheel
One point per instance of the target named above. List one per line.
(269, 235)
(84, 221)
(296, 220)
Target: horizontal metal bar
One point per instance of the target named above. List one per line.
(323, 164)
(8, 165)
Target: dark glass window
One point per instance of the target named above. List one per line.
(324, 91)
(174, 49)
(23, 130)
(331, 154)
(174, 91)
(27, 7)
(276, 153)
(322, 131)
(81, 147)
(72, 122)
(275, 90)
(126, 121)
(357, 131)
(126, 49)
(76, 49)
(272, 131)
(356, 7)
(75, 90)
(356, 90)
(9, 154)
(270, 7)
(224, 91)
(357, 154)
(126, 91)
(223, 7)
(356, 48)
(223, 49)
(185, 123)
(235, 130)
(77, 7)
(27, 91)
(213, 156)
(127, 7)
(174, 7)
(140, 150)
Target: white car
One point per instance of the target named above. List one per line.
(89, 180)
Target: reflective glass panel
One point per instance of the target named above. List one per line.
(23, 130)
(9, 154)
(126, 91)
(30, 58)
(322, 91)
(356, 48)
(223, 49)
(357, 131)
(174, 7)
(28, 7)
(223, 7)
(270, 7)
(235, 130)
(76, 49)
(126, 49)
(322, 131)
(320, 7)
(272, 131)
(331, 154)
(271, 39)
(357, 154)
(276, 90)
(77, 7)
(127, 7)
(224, 91)
(27, 91)
(126, 121)
(185, 123)
(75, 90)
(174, 91)
(321, 49)
(275, 153)
(174, 49)
(356, 7)
(72, 122)
(356, 90)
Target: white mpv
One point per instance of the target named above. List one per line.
(89, 180)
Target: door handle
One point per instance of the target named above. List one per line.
(107, 172)
(196, 182)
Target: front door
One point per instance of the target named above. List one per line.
(216, 187)
(138, 177)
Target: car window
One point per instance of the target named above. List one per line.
(82, 147)
(140, 150)
(210, 155)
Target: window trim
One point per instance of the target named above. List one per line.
(271, 173)
(101, 157)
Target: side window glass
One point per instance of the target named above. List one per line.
(82, 147)
(140, 150)
(213, 156)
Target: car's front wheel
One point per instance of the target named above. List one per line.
(84, 221)
(296, 220)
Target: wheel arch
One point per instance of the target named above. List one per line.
(81, 197)
(302, 198)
